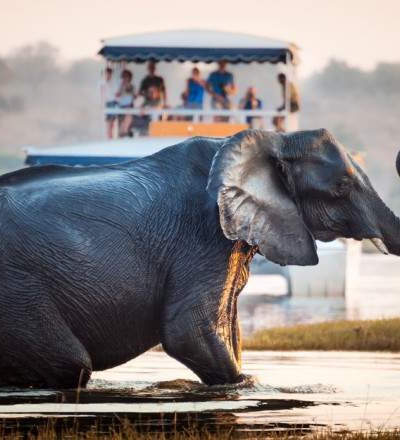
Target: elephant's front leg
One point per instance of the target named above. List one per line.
(193, 339)
(201, 329)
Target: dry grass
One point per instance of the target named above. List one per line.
(127, 431)
(373, 335)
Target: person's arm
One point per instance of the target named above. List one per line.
(102, 94)
(185, 93)
(209, 86)
(282, 107)
(230, 87)
(119, 91)
(210, 90)
(294, 95)
(163, 93)
(142, 87)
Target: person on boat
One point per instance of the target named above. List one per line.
(193, 96)
(153, 98)
(294, 96)
(152, 101)
(108, 90)
(125, 96)
(221, 86)
(278, 123)
(150, 82)
(251, 102)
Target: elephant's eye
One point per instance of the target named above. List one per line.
(281, 167)
(343, 187)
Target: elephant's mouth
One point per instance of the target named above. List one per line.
(327, 236)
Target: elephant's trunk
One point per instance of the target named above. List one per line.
(398, 163)
(390, 227)
(390, 223)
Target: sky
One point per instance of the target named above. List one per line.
(361, 32)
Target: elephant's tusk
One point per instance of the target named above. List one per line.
(380, 245)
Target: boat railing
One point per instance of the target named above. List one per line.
(234, 115)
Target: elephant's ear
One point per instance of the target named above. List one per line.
(254, 204)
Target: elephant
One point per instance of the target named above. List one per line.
(99, 264)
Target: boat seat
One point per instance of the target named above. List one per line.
(187, 128)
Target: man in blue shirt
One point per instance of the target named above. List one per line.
(221, 86)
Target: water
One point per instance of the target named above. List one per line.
(293, 391)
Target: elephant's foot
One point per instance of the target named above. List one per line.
(207, 355)
(246, 381)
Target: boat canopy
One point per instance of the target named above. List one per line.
(198, 45)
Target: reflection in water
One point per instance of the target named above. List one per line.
(294, 390)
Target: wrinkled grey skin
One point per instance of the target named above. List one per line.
(99, 264)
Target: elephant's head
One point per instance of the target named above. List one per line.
(283, 191)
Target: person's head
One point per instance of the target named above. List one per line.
(195, 73)
(108, 73)
(279, 123)
(251, 92)
(282, 78)
(151, 67)
(222, 65)
(126, 76)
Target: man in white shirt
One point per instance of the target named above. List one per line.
(109, 89)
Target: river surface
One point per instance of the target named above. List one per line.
(294, 391)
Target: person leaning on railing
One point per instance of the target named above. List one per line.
(193, 96)
(150, 82)
(294, 96)
(108, 90)
(125, 96)
(221, 86)
(251, 102)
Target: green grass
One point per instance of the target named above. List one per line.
(373, 335)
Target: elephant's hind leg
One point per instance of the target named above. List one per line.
(37, 348)
(44, 360)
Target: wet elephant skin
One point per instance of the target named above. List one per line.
(99, 264)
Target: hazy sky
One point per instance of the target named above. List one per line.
(359, 31)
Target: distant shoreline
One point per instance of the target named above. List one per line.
(369, 335)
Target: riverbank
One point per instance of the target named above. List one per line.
(370, 335)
